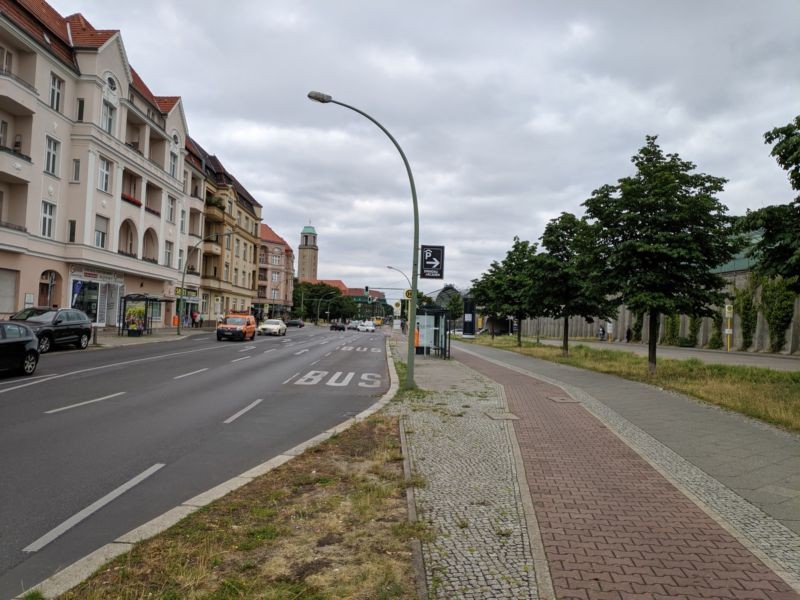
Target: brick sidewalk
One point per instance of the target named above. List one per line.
(612, 526)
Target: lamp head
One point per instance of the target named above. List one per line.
(319, 97)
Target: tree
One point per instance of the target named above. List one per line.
(455, 307)
(777, 252)
(567, 287)
(658, 235)
(510, 287)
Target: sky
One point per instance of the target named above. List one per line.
(510, 112)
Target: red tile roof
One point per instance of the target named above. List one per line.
(166, 103)
(140, 87)
(86, 36)
(47, 16)
(37, 18)
(268, 235)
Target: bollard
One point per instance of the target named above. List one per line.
(94, 334)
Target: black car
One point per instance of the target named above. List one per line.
(57, 326)
(19, 348)
(295, 323)
(337, 327)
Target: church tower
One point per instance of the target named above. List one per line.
(307, 255)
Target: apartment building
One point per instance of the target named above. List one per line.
(102, 192)
(275, 275)
(228, 264)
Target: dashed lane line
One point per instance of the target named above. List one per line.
(192, 373)
(231, 419)
(55, 410)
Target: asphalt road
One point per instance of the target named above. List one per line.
(100, 442)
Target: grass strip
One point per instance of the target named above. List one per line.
(330, 524)
(765, 394)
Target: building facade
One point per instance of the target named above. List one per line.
(102, 192)
(275, 275)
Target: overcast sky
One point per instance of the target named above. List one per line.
(509, 112)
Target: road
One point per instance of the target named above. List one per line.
(99, 442)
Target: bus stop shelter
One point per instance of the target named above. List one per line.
(136, 314)
(432, 335)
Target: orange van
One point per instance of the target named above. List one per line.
(237, 326)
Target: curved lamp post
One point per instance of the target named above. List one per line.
(412, 308)
(214, 236)
(319, 301)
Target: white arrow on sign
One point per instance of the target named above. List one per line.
(433, 262)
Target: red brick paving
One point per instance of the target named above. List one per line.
(612, 527)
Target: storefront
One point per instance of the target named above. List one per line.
(96, 292)
(189, 299)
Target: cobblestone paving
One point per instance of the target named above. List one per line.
(471, 496)
(613, 527)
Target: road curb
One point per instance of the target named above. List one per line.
(74, 574)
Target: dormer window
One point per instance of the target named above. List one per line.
(112, 85)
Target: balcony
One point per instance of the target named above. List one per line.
(21, 94)
(131, 199)
(214, 214)
(212, 248)
(15, 166)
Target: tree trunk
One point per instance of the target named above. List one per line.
(565, 338)
(652, 341)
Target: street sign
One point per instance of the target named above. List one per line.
(407, 294)
(397, 305)
(432, 266)
(728, 311)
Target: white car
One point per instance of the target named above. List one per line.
(368, 326)
(272, 327)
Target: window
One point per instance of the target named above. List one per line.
(51, 156)
(236, 246)
(3, 133)
(238, 218)
(100, 231)
(173, 164)
(6, 58)
(227, 240)
(48, 216)
(230, 207)
(275, 259)
(79, 103)
(56, 87)
(108, 117)
(168, 253)
(71, 225)
(180, 259)
(236, 277)
(170, 209)
(183, 220)
(274, 294)
(226, 272)
(275, 277)
(112, 85)
(76, 169)
(104, 175)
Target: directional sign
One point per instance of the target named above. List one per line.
(432, 266)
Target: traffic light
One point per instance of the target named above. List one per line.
(366, 290)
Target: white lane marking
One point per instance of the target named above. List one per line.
(270, 350)
(108, 366)
(28, 379)
(94, 507)
(192, 373)
(290, 378)
(286, 341)
(55, 410)
(313, 363)
(238, 359)
(241, 412)
(301, 351)
(328, 354)
(246, 348)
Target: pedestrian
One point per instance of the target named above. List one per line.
(201, 321)
(601, 334)
(628, 335)
(194, 318)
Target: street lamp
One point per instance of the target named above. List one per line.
(412, 307)
(319, 301)
(214, 236)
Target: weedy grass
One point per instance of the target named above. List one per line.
(764, 394)
(330, 524)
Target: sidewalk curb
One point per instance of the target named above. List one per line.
(74, 574)
(765, 530)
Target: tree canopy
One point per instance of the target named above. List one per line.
(657, 236)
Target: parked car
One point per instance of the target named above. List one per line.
(353, 325)
(367, 326)
(272, 327)
(237, 326)
(19, 348)
(337, 327)
(295, 323)
(56, 326)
